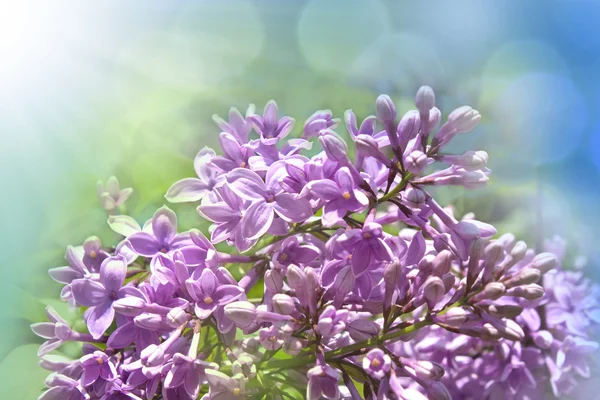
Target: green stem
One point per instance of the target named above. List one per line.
(395, 191)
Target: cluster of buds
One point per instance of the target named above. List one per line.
(330, 298)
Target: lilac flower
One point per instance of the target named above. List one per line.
(238, 126)
(269, 126)
(573, 353)
(93, 255)
(201, 188)
(111, 196)
(63, 387)
(367, 246)
(292, 252)
(340, 196)
(225, 387)
(57, 332)
(209, 293)
(100, 295)
(226, 215)
(320, 120)
(97, 365)
(267, 200)
(65, 275)
(376, 363)
(322, 381)
(164, 237)
(236, 154)
(187, 372)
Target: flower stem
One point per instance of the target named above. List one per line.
(395, 191)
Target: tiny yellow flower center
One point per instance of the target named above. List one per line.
(208, 300)
(236, 391)
(272, 339)
(163, 250)
(284, 256)
(93, 254)
(346, 195)
(243, 165)
(367, 235)
(100, 361)
(350, 257)
(375, 363)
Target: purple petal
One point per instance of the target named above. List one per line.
(88, 293)
(192, 383)
(100, 318)
(123, 225)
(218, 212)
(123, 336)
(208, 282)
(202, 164)
(75, 260)
(64, 275)
(344, 180)
(275, 172)
(187, 190)
(361, 259)
(144, 244)
(247, 184)
(291, 209)
(90, 375)
(231, 146)
(271, 115)
(112, 273)
(44, 330)
(164, 225)
(257, 220)
(227, 293)
(325, 189)
(381, 250)
(416, 249)
(49, 346)
(333, 212)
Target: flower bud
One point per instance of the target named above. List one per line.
(437, 391)
(442, 263)
(467, 230)
(433, 290)
(130, 306)
(464, 119)
(283, 304)
(251, 345)
(510, 330)
(414, 198)
(491, 291)
(416, 161)
(62, 331)
(518, 251)
(242, 313)
(362, 329)
(544, 262)
(425, 99)
(529, 292)
(334, 146)
(367, 146)
(428, 370)
(470, 160)
(408, 127)
(385, 109)
(152, 322)
(296, 277)
(292, 346)
(273, 281)
(392, 273)
(505, 310)
(543, 339)
(455, 316)
(524, 277)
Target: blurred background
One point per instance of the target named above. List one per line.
(94, 89)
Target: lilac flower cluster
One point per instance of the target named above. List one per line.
(329, 286)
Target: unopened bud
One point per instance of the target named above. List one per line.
(385, 109)
(177, 317)
(453, 317)
(392, 273)
(367, 146)
(416, 161)
(464, 119)
(414, 197)
(130, 306)
(242, 313)
(334, 146)
(524, 277)
(296, 277)
(505, 310)
(544, 262)
(437, 391)
(273, 281)
(433, 290)
(283, 304)
(442, 263)
(362, 329)
(518, 251)
(491, 291)
(408, 127)
(529, 292)
(425, 99)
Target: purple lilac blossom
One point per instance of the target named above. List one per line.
(333, 277)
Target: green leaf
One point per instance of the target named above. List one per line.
(20, 376)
